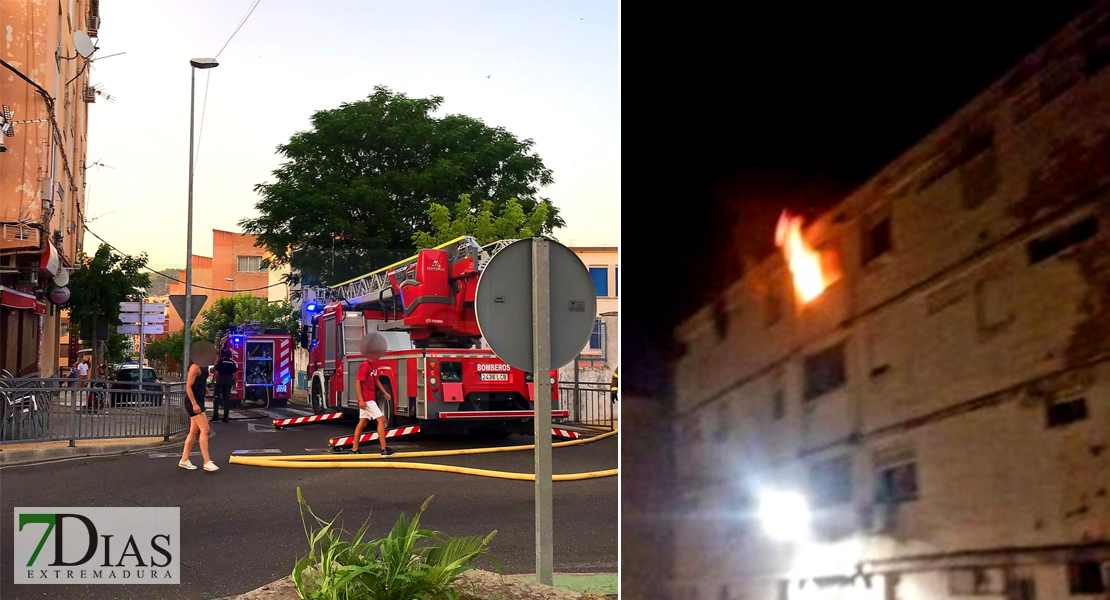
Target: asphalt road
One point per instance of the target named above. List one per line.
(241, 529)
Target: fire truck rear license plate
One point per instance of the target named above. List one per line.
(493, 376)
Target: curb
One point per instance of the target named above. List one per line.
(582, 429)
(16, 457)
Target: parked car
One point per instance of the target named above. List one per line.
(127, 379)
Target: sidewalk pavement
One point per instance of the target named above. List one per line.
(13, 454)
(583, 583)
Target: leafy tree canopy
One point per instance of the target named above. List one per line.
(358, 185)
(172, 345)
(243, 308)
(100, 283)
(119, 348)
(482, 222)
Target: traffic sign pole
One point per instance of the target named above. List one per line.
(536, 306)
(142, 346)
(541, 374)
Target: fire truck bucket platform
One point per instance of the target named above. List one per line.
(365, 461)
(279, 423)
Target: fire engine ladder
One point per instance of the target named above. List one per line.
(374, 290)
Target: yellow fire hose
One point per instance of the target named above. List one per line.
(325, 461)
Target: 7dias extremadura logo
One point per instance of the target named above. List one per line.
(97, 545)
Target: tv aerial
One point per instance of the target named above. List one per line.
(99, 163)
(7, 121)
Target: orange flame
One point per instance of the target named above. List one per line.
(804, 262)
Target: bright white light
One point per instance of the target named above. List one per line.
(785, 515)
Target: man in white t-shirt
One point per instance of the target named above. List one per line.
(83, 369)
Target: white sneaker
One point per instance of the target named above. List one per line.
(186, 464)
(210, 466)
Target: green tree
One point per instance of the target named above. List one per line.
(355, 189)
(482, 222)
(172, 345)
(100, 283)
(119, 348)
(243, 308)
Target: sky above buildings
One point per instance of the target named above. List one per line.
(548, 71)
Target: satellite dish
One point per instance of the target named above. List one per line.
(503, 303)
(83, 44)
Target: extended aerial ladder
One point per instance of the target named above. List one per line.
(429, 295)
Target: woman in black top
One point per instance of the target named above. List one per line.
(203, 354)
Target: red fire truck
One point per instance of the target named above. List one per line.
(265, 361)
(424, 308)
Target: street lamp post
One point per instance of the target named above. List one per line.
(231, 280)
(197, 63)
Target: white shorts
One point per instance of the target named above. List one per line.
(371, 411)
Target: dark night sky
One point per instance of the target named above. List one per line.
(753, 107)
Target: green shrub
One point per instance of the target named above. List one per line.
(409, 563)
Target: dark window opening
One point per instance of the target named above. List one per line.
(830, 482)
(1062, 412)
(1047, 246)
(773, 303)
(897, 484)
(1086, 578)
(720, 319)
(824, 371)
(778, 406)
(451, 372)
(876, 240)
(1098, 56)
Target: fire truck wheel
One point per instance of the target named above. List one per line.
(386, 406)
(317, 398)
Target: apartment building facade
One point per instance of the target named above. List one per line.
(44, 98)
(942, 407)
(599, 356)
(235, 267)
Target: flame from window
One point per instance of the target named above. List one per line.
(804, 261)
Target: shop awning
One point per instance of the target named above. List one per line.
(16, 299)
(51, 262)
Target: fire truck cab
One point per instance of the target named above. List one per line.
(424, 308)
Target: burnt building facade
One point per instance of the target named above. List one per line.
(942, 405)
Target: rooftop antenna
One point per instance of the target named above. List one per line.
(99, 163)
(7, 122)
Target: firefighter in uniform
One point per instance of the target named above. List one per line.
(613, 387)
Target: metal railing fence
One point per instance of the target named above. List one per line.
(59, 409)
(589, 404)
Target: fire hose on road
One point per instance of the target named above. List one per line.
(358, 461)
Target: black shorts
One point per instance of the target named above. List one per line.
(189, 408)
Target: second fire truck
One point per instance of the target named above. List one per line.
(436, 376)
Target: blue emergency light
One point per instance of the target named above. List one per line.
(311, 307)
(236, 340)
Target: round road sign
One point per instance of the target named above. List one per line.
(503, 304)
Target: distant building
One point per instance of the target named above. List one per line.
(941, 408)
(236, 265)
(599, 356)
(42, 173)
